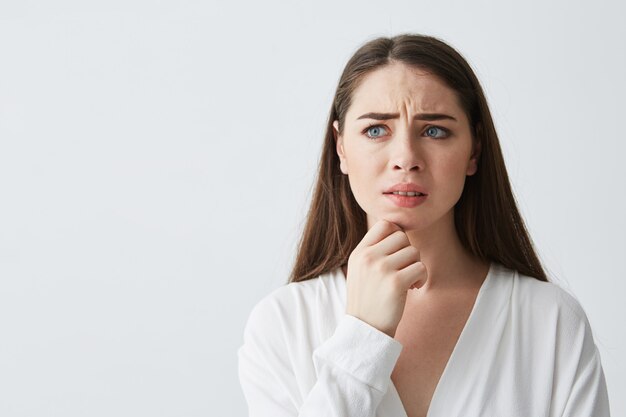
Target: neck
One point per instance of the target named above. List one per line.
(448, 263)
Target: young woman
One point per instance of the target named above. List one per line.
(416, 290)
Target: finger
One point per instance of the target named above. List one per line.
(378, 232)
(402, 258)
(392, 243)
(415, 275)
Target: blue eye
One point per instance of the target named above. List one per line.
(374, 131)
(431, 128)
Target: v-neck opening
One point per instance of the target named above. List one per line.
(459, 341)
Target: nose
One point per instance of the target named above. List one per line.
(406, 153)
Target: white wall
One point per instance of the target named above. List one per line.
(157, 158)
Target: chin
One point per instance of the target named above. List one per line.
(410, 225)
(407, 221)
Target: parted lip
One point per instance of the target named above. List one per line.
(405, 187)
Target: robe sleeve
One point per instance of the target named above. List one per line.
(353, 368)
(589, 396)
(587, 390)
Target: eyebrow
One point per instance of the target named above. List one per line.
(420, 116)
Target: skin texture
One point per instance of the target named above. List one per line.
(419, 151)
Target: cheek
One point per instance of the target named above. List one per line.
(361, 176)
(357, 160)
(364, 175)
(451, 177)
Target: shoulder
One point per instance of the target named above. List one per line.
(552, 308)
(293, 305)
(284, 326)
(295, 295)
(548, 296)
(562, 334)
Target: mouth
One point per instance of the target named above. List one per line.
(406, 188)
(408, 193)
(407, 200)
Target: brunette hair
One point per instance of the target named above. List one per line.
(486, 216)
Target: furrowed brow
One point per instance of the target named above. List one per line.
(420, 116)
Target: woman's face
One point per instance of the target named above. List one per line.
(401, 144)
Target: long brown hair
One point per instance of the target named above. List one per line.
(486, 217)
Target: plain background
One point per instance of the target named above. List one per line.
(157, 161)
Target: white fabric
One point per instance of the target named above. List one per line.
(526, 350)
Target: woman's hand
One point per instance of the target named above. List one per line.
(381, 269)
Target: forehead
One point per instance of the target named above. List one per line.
(397, 87)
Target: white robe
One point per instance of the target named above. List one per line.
(526, 350)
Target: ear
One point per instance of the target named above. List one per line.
(343, 165)
(472, 166)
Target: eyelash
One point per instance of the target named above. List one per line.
(446, 131)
